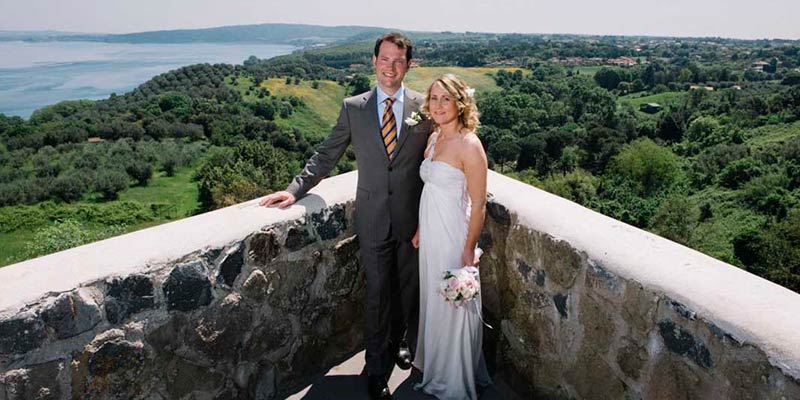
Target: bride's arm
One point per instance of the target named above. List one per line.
(475, 170)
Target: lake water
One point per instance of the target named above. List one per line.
(33, 75)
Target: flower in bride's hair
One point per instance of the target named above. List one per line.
(470, 92)
(414, 119)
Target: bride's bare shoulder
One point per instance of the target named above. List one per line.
(471, 151)
(471, 142)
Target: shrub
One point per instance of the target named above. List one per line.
(740, 172)
(675, 219)
(579, 186)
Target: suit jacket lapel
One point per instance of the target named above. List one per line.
(409, 106)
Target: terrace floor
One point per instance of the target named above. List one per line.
(349, 381)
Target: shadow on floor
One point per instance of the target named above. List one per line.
(348, 380)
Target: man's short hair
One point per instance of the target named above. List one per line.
(399, 40)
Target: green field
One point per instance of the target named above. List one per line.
(479, 78)
(172, 198)
(589, 70)
(178, 190)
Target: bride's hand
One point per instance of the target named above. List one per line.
(415, 240)
(469, 258)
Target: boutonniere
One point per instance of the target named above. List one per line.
(414, 119)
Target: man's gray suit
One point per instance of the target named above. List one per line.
(387, 207)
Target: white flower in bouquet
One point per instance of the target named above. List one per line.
(461, 285)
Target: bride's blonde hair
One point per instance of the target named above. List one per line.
(465, 102)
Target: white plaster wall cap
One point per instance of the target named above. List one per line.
(27, 281)
(744, 305)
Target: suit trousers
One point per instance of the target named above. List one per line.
(392, 300)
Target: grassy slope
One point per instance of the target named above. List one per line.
(715, 235)
(769, 135)
(324, 102)
(420, 78)
(178, 190)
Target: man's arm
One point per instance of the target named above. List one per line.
(318, 166)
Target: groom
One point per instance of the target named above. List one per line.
(389, 152)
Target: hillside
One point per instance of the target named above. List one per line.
(294, 34)
(716, 170)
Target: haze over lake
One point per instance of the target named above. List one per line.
(33, 75)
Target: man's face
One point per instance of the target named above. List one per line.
(390, 66)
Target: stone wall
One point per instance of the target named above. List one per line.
(249, 318)
(586, 307)
(249, 302)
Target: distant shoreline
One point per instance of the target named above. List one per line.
(40, 74)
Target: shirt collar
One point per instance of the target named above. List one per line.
(398, 96)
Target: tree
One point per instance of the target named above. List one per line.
(792, 78)
(140, 170)
(739, 172)
(773, 66)
(170, 101)
(570, 159)
(607, 78)
(671, 127)
(110, 182)
(648, 166)
(599, 145)
(359, 84)
(706, 132)
(264, 109)
(676, 219)
(504, 150)
(579, 186)
(68, 187)
(169, 157)
(229, 176)
(772, 251)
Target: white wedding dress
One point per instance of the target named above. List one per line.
(449, 345)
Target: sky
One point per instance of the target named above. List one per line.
(747, 19)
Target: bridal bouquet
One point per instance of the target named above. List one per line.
(461, 285)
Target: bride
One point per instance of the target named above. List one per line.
(451, 215)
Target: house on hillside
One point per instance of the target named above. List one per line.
(650, 108)
(623, 61)
(759, 65)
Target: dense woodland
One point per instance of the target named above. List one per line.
(715, 165)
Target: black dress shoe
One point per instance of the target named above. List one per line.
(403, 358)
(378, 389)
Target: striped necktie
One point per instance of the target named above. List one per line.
(389, 128)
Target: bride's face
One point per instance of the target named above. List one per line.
(442, 105)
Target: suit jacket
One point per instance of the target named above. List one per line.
(387, 197)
